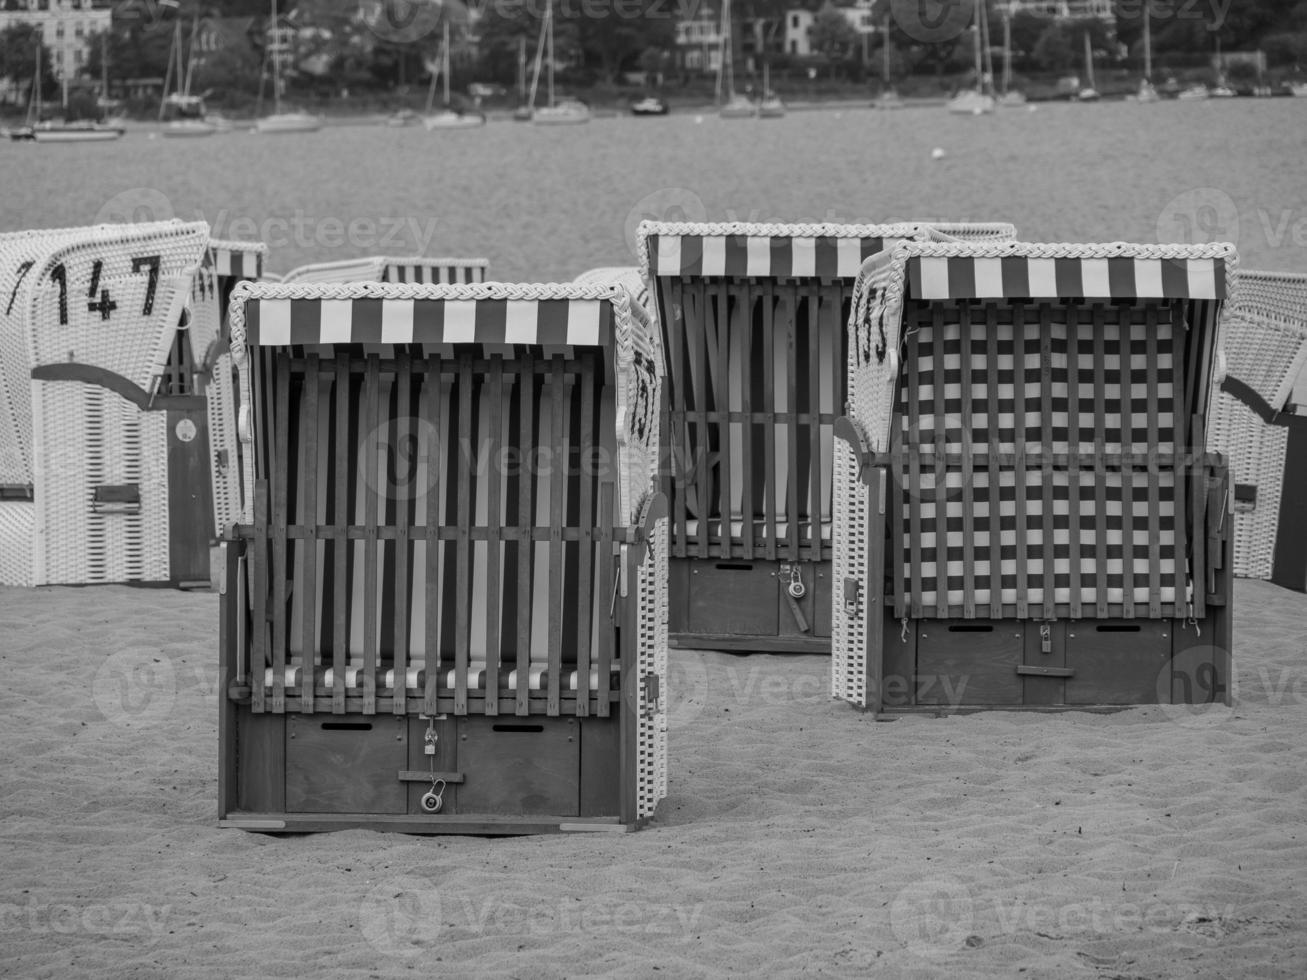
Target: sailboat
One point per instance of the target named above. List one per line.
(888, 98)
(558, 112)
(27, 132)
(189, 109)
(283, 122)
(447, 118)
(73, 132)
(1089, 93)
(771, 106)
(1010, 98)
(1146, 91)
(737, 106)
(1222, 89)
(523, 111)
(977, 102)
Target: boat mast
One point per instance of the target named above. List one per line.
(1148, 45)
(444, 68)
(540, 51)
(987, 49)
(885, 56)
(275, 44)
(190, 61)
(34, 100)
(1007, 48)
(980, 88)
(728, 51)
(172, 56)
(521, 68)
(549, 35)
(1089, 61)
(104, 65)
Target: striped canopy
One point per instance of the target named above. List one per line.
(991, 271)
(275, 314)
(830, 251)
(240, 259)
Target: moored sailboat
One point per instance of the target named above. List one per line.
(283, 122)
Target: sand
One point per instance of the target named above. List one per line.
(800, 836)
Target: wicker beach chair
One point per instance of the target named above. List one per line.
(752, 318)
(444, 610)
(1029, 509)
(104, 450)
(1257, 424)
(225, 264)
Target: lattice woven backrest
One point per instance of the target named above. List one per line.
(107, 296)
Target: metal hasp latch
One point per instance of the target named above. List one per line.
(1045, 637)
(852, 595)
(794, 591)
(650, 694)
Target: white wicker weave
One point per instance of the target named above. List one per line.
(108, 297)
(1266, 349)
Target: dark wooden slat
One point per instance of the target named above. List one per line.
(1073, 455)
(1184, 471)
(461, 587)
(585, 556)
(559, 399)
(1203, 521)
(940, 454)
(1154, 474)
(431, 394)
(993, 379)
(769, 424)
(674, 392)
(400, 551)
(967, 496)
(818, 315)
(792, 427)
(259, 563)
(697, 347)
(748, 489)
(340, 548)
(307, 587)
(494, 524)
(913, 449)
(1046, 449)
(527, 519)
(608, 622)
(371, 451)
(1100, 461)
(280, 518)
(722, 402)
(1127, 466)
(1019, 471)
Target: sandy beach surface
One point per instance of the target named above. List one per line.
(800, 836)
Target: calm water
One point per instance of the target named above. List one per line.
(547, 203)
